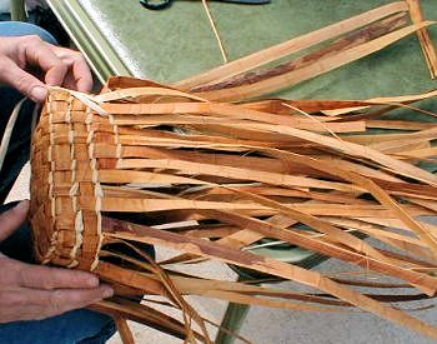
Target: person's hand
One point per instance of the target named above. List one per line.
(32, 292)
(27, 63)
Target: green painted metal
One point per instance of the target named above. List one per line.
(233, 321)
(18, 10)
(89, 39)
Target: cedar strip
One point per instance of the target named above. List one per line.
(223, 171)
(424, 37)
(292, 46)
(353, 39)
(384, 198)
(356, 150)
(124, 330)
(301, 123)
(322, 66)
(273, 231)
(267, 265)
(307, 105)
(405, 99)
(398, 125)
(234, 294)
(142, 314)
(153, 205)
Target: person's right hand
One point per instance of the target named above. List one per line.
(25, 58)
(32, 292)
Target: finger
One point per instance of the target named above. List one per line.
(82, 75)
(43, 277)
(12, 219)
(15, 305)
(19, 79)
(63, 300)
(33, 304)
(79, 76)
(40, 54)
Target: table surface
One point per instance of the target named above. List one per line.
(178, 42)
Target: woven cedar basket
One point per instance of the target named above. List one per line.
(237, 178)
(64, 176)
(144, 163)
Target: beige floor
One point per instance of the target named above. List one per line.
(278, 326)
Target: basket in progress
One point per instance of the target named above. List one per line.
(237, 174)
(185, 168)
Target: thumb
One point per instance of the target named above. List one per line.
(22, 81)
(12, 219)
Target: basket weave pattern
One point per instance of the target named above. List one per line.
(65, 184)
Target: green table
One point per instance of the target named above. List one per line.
(122, 38)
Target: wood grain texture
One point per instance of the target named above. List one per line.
(144, 163)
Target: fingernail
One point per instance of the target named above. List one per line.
(39, 93)
(108, 292)
(92, 281)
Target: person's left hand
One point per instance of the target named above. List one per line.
(34, 292)
(28, 64)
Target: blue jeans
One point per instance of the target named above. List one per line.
(13, 28)
(79, 326)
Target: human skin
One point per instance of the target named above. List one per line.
(29, 64)
(32, 292)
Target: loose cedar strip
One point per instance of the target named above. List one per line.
(322, 66)
(124, 330)
(248, 260)
(294, 45)
(273, 231)
(142, 314)
(424, 38)
(237, 292)
(353, 39)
